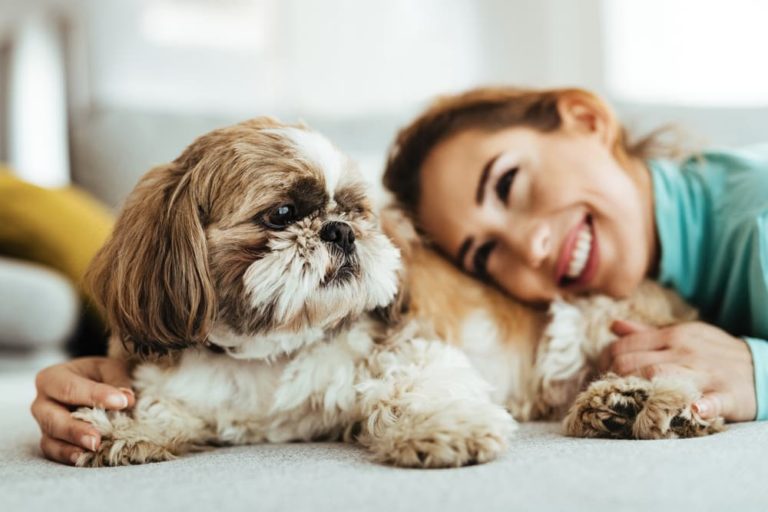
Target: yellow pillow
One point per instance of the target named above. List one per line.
(60, 228)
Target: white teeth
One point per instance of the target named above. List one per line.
(580, 254)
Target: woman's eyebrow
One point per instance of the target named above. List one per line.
(484, 178)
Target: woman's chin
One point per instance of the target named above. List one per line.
(622, 287)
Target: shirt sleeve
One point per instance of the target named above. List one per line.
(759, 349)
(758, 294)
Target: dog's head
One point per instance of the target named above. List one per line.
(257, 239)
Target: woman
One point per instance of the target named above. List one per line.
(507, 182)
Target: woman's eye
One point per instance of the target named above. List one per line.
(504, 185)
(280, 216)
(480, 260)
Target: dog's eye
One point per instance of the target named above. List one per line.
(280, 216)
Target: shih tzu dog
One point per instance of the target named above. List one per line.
(258, 299)
(251, 287)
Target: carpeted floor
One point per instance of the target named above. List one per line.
(542, 471)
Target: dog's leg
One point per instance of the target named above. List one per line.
(156, 430)
(425, 406)
(634, 408)
(561, 368)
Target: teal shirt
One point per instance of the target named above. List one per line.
(712, 221)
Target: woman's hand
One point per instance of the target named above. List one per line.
(89, 381)
(719, 364)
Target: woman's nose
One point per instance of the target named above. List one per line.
(532, 244)
(538, 245)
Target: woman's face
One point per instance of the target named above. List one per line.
(540, 214)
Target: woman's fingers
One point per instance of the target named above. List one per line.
(59, 451)
(95, 382)
(646, 364)
(64, 385)
(726, 404)
(645, 341)
(709, 406)
(56, 422)
(633, 337)
(626, 327)
(699, 379)
(115, 373)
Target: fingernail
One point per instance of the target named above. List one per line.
(89, 442)
(75, 455)
(700, 408)
(117, 401)
(128, 391)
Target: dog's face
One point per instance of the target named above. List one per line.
(257, 238)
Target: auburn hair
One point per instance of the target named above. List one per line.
(489, 109)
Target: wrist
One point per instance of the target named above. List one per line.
(759, 350)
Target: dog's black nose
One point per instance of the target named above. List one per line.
(339, 233)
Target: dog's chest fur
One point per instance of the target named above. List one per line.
(305, 396)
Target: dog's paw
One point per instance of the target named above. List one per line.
(635, 408)
(99, 418)
(668, 413)
(121, 443)
(607, 408)
(454, 435)
(123, 452)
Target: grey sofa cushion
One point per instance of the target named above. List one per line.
(38, 307)
(112, 148)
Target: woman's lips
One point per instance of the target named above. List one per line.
(567, 255)
(590, 269)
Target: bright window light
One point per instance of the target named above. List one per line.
(688, 52)
(37, 117)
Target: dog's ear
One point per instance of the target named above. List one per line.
(400, 230)
(399, 227)
(152, 276)
(396, 311)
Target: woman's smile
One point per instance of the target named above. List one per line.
(579, 257)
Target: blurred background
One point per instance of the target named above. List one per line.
(95, 92)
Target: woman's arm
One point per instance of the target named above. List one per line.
(719, 364)
(89, 381)
(759, 350)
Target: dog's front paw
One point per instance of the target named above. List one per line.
(608, 408)
(668, 413)
(453, 435)
(123, 452)
(121, 443)
(634, 408)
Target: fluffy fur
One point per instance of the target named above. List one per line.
(543, 364)
(245, 327)
(242, 328)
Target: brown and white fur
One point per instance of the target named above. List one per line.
(539, 362)
(243, 327)
(239, 332)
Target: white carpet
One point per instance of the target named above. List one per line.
(542, 471)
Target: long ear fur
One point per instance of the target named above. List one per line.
(152, 276)
(402, 233)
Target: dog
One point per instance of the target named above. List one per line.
(251, 288)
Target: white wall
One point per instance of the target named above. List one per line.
(342, 58)
(357, 69)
